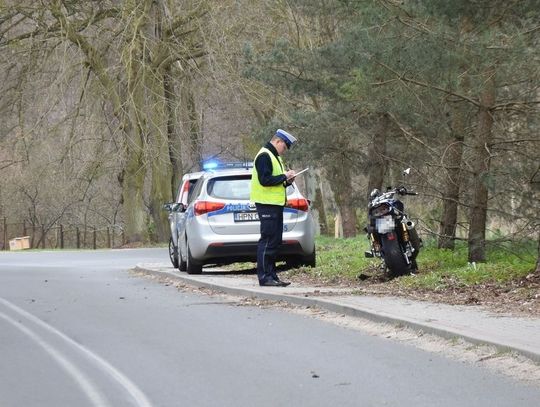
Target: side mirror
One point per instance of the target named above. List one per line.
(168, 206)
(374, 193)
(174, 207)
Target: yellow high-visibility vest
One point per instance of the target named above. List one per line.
(271, 195)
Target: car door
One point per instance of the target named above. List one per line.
(183, 226)
(179, 216)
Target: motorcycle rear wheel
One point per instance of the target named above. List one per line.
(394, 257)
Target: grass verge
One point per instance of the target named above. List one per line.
(343, 259)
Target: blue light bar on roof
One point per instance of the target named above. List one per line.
(210, 165)
(216, 165)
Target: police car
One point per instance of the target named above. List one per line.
(213, 221)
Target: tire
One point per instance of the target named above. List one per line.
(182, 264)
(173, 253)
(394, 257)
(292, 262)
(310, 260)
(302, 261)
(192, 266)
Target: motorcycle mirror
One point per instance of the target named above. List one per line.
(407, 171)
(374, 193)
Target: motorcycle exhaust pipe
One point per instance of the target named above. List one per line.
(409, 225)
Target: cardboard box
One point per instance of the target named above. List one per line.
(19, 243)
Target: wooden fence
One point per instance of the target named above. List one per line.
(62, 236)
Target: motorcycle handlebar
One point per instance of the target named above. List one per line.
(403, 191)
(389, 193)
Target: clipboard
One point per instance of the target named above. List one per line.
(299, 172)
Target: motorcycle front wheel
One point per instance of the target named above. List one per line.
(393, 256)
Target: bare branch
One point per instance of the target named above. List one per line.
(429, 86)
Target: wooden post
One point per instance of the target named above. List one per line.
(338, 226)
(61, 236)
(6, 243)
(108, 237)
(78, 238)
(94, 238)
(43, 236)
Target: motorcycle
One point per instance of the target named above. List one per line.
(392, 235)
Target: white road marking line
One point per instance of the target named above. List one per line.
(138, 396)
(84, 383)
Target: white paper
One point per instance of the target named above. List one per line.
(299, 172)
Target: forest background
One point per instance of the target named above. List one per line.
(105, 104)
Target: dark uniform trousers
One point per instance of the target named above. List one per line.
(271, 218)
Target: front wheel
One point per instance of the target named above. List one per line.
(393, 255)
(182, 263)
(173, 253)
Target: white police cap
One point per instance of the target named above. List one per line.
(289, 139)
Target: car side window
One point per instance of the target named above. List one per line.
(184, 189)
(180, 191)
(195, 190)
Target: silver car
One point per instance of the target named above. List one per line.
(220, 226)
(177, 214)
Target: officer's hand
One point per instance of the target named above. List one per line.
(290, 175)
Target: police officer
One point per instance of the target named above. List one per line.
(268, 185)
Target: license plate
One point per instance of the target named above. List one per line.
(246, 216)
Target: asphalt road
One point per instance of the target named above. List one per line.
(77, 330)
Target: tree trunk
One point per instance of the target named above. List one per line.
(132, 193)
(135, 172)
(452, 163)
(160, 191)
(191, 119)
(340, 177)
(175, 146)
(313, 193)
(156, 111)
(132, 178)
(481, 166)
(377, 154)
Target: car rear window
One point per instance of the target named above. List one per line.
(234, 187)
(230, 187)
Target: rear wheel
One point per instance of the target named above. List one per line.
(173, 253)
(393, 256)
(302, 261)
(310, 260)
(192, 266)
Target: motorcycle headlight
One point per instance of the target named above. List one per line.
(380, 210)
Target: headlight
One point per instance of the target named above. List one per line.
(380, 210)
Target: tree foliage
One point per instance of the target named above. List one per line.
(113, 100)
